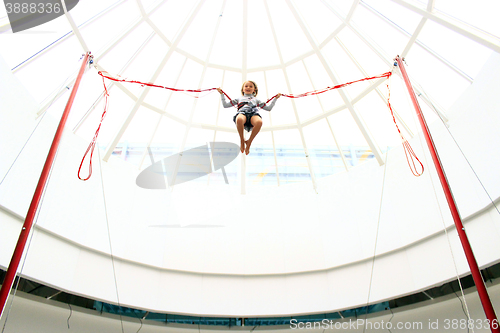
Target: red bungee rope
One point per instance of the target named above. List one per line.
(317, 92)
(94, 139)
(118, 78)
(408, 150)
(409, 153)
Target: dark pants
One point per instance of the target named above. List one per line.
(248, 124)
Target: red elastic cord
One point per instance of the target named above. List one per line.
(317, 92)
(94, 139)
(120, 79)
(409, 153)
(408, 150)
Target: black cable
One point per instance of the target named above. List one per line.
(390, 319)
(462, 304)
(70, 314)
(139, 327)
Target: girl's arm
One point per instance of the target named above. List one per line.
(225, 103)
(270, 106)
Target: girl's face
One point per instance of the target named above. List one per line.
(248, 88)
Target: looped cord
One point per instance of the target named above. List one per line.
(409, 153)
(94, 139)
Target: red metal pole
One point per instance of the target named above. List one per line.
(28, 222)
(476, 274)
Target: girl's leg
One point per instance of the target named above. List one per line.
(257, 124)
(240, 122)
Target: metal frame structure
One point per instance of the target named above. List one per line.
(429, 14)
(349, 102)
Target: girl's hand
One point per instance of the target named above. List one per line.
(278, 96)
(219, 90)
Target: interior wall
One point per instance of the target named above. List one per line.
(368, 235)
(428, 316)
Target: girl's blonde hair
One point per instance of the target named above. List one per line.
(255, 91)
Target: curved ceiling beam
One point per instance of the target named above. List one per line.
(68, 35)
(413, 40)
(195, 101)
(477, 35)
(355, 114)
(379, 93)
(113, 83)
(133, 111)
(76, 31)
(342, 156)
(387, 59)
(294, 106)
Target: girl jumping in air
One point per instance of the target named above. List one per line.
(248, 116)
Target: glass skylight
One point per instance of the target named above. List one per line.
(287, 46)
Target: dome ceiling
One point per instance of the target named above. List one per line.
(286, 46)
